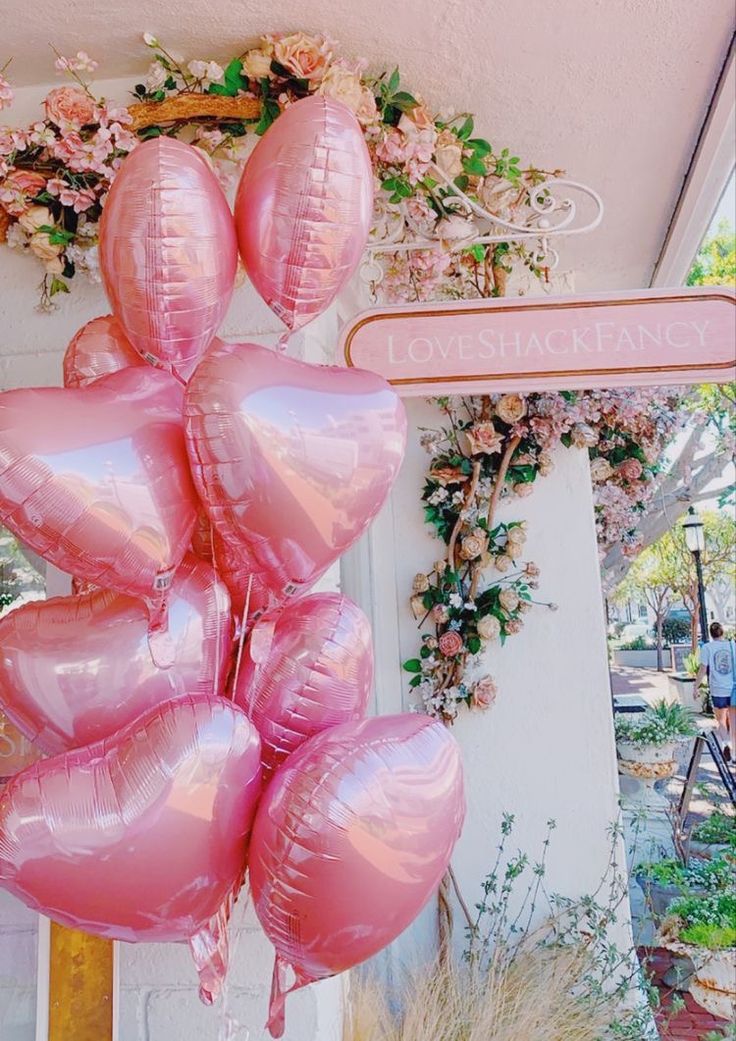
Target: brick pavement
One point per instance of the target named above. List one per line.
(693, 1023)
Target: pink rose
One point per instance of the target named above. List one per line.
(450, 643)
(6, 93)
(448, 154)
(305, 57)
(483, 437)
(630, 469)
(69, 106)
(484, 693)
(18, 188)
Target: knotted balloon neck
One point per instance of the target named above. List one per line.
(160, 641)
(284, 341)
(279, 992)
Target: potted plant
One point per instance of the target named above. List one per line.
(637, 653)
(703, 929)
(664, 881)
(682, 684)
(646, 744)
(714, 836)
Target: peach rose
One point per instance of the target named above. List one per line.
(503, 562)
(448, 154)
(343, 84)
(584, 436)
(417, 607)
(489, 628)
(304, 56)
(483, 437)
(546, 464)
(447, 475)
(18, 188)
(511, 408)
(600, 469)
(69, 106)
(497, 194)
(484, 693)
(257, 64)
(450, 643)
(456, 230)
(42, 246)
(420, 583)
(473, 546)
(514, 626)
(34, 217)
(508, 599)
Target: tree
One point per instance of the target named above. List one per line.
(668, 565)
(649, 578)
(708, 447)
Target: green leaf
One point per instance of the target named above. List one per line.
(58, 285)
(461, 182)
(393, 82)
(57, 236)
(413, 665)
(269, 113)
(405, 102)
(474, 167)
(466, 129)
(480, 146)
(425, 652)
(150, 132)
(415, 681)
(473, 644)
(478, 252)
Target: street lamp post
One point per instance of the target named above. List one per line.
(695, 540)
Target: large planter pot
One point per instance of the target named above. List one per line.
(639, 659)
(659, 896)
(713, 980)
(682, 688)
(644, 765)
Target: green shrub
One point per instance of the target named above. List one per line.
(718, 829)
(714, 875)
(707, 921)
(676, 630)
(640, 643)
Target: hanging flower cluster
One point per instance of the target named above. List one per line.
(494, 448)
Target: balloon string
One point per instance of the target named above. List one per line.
(241, 641)
(283, 341)
(217, 608)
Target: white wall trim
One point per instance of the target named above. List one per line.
(710, 170)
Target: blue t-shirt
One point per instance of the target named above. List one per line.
(718, 655)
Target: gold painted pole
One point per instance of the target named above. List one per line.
(80, 986)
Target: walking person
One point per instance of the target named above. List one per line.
(718, 659)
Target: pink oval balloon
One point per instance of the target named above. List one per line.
(292, 461)
(168, 252)
(350, 841)
(314, 669)
(141, 837)
(99, 348)
(96, 479)
(75, 669)
(304, 208)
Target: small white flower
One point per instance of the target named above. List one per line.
(205, 72)
(456, 600)
(150, 40)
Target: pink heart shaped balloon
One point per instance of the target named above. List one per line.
(291, 460)
(97, 349)
(96, 479)
(75, 669)
(315, 672)
(168, 252)
(304, 208)
(351, 839)
(141, 837)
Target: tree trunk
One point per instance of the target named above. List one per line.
(660, 620)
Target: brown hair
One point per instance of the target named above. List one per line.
(716, 630)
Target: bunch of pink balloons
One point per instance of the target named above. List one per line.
(202, 711)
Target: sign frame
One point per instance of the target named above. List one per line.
(358, 342)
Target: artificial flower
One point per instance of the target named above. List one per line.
(305, 57)
(450, 643)
(489, 627)
(448, 154)
(509, 600)
(511, 408)
(484, 693)
(483, 437)
(420, 583)
(69, 107)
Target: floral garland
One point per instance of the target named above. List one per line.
(55, 174)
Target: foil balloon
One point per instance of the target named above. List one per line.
(75, 669)
(168, 252)
(307, 669)
(351, 839)
(99, 348)
(96, 480)
(304, 208)
(291, 460)
(141, 837)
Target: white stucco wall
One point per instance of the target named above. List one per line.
(546, 749)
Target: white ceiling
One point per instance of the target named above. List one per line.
(614, 91)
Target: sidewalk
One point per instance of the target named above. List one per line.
(647, 683)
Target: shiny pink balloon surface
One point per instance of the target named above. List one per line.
(351, 839)
(291, 460)
(99, 348)
(142, 836)
(96, 479)
(75, 669)
(168, 252)
(314, 669)
(304, 208)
